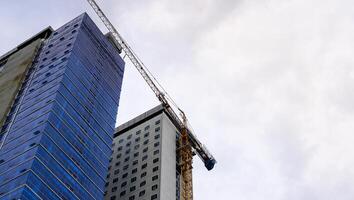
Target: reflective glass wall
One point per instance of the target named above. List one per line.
(58, 143)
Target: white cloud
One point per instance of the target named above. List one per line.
(268, 86)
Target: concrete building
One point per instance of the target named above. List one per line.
(143, 165)
(14, 67)
(63, 92)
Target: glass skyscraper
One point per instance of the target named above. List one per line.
(56, 139)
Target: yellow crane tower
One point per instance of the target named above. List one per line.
(186, 158)
(188, 143)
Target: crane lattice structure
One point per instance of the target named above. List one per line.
(188, 142)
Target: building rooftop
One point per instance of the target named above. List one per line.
(139, 120)
(45, 33)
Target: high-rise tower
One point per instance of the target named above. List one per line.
(144, 165)
(57, 133)
(15, 66)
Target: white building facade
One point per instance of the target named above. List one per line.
(143, 164)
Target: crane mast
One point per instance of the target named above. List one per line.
(186, 159)
(187, 139)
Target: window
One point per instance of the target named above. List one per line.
(69, 186)
(125, 175)
(146, 134)
(120, 148)
(123, 184)
(125, 167)
(122, 193)
(127, 151)
(136, 146)
(154, 178)
(119, 155)
(145, 150)
(142, 183)
(113, 197)
(128, 144)
(144, 166)
(155, 169)
(126, 159)
(2, 63)
(157, 129)
(157, 136)
(133, 179)
(136, 154)
(155, 160)
(146, 142)
(137, 139)
(115, 180)
(141, 193)
(132, 188)
(144, 157)
(135, 162)
(117, 164)
(156, 144)
(157, 122)
(132, 197)
(147, 127)
(114, 189)
(154, 187)
(134, 171)
(116, 171)
(138, 132)
(154, 197)
(156, 152)
(120, 141)
(143, 175)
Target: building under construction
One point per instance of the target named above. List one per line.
(60, 93)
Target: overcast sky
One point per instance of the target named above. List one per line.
(268, 85)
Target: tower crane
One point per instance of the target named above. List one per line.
(188, 142)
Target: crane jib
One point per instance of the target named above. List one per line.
(202, 152)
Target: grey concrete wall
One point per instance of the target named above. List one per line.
(121, 141)
(12, 75)
(168, 160)
(159, 125)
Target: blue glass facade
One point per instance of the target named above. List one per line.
(58, 143)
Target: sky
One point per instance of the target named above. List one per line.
(268, 85)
